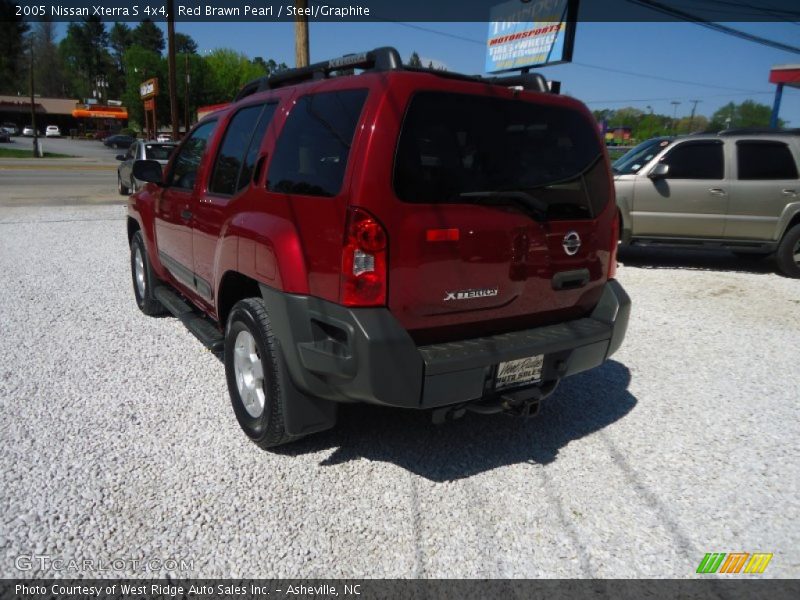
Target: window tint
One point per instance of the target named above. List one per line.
(158, 151)
(765, 160)
(696, 160)
(454, 146)
(311, 153)
(234, 164)
(184, 168)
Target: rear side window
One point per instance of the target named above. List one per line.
(312, 151)
(452, 147)
(158, 151)
(696, 160)
(234, 165)
(764, 160)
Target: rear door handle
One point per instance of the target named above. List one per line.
(570, 280)
(716, 191)
(186, 214)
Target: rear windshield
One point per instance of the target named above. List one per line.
(454, 147)
(158, 151)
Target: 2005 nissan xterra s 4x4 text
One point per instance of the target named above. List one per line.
(410, 238)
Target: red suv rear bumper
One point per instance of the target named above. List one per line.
(364, 355)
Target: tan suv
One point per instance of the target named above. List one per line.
(737, 190)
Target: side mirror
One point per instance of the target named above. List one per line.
(120, 157)
(147, 170)
(660, 171)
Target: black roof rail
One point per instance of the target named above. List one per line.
(379, 59)
(763, 130)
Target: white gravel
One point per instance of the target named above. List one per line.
(118, 440)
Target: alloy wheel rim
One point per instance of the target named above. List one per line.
(138, 268)
(249, 372)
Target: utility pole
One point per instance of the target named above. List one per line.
(691, 118)
(675, 104)
(33, 111)
(301, 35)
(173, 91)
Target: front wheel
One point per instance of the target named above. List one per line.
(144, 280)
(788, 254)
(253, 361)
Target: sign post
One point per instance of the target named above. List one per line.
(148, 91)
(530, 34)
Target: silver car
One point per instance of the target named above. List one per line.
(140, 150)
(737, 190)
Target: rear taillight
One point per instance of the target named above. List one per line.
(363, 280)
(612, 255)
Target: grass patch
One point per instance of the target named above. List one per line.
(20, 153)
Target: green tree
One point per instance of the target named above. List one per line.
(747, 114)
(184, 44)
(48, 65)
(12, 40)
(86, 57)
(120, 39)
(270, 66)
(140, 64)
(229, 71)
(689, 125)
(149, 36)
(414, 61)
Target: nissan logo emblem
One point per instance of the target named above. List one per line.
(571, 243)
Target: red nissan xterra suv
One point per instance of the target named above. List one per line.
(405, 237)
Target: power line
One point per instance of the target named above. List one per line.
(685, 16)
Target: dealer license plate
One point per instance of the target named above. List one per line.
(518, 372)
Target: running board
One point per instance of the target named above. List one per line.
(201, 327)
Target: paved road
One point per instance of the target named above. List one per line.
(88, 179)
(118, 439)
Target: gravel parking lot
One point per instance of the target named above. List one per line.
(118, 440)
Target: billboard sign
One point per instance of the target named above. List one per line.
(148, 89)
(530, 34)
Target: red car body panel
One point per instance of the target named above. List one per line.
(293, 243)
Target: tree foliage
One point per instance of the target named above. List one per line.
(414, 60)
(149, 36)
(12, 41)
(747, 114)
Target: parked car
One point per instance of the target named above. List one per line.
(10, 127)
(4, 135)
(52, 131)
(164, 137)
(408, 238)
(119, 141)
(737, 190)
(28, 131)
(140, 150)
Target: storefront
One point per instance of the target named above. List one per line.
(67, 113)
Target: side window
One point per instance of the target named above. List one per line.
(311, 154)
(758, 159)
(185, 165)
(234, 165)
(696, 160)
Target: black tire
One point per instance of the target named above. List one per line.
(268, 428)
(122, 189)
(145, 300)
(788, 254)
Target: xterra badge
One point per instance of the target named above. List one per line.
(468, 294)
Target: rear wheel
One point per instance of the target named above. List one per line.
(788, 254)
(253, 361)
(122, 188)
(144, 280)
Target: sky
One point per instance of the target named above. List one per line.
(614, 64)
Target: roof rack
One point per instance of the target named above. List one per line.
(380, 59)
(754, 130)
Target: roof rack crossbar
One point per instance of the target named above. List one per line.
(379, 59)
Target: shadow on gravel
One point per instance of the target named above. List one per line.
(581, 405)
(700, 260)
